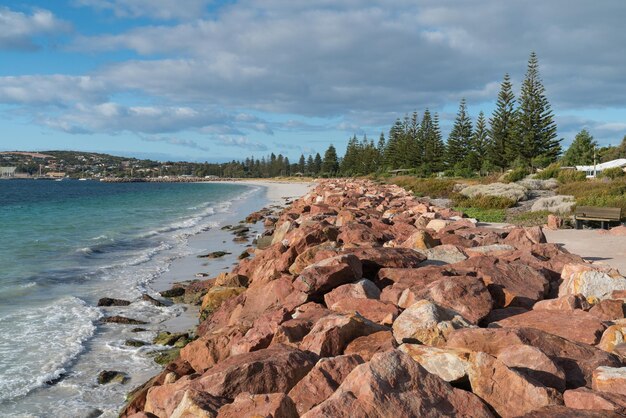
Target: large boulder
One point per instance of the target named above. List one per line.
(198, 404)
(534, 364)
(368, 345)
(443, 254)
(322, 381)
(610, 379)
(577, 360)
(394, 385)
(564, 303)
(613, 336)
(312, 255)
(576, 325)
(332, 333)
(450, 364)
(587, 399)
(327, 274)
(275, 405)
(591, 281)
(374, 259)
(364, 289)
(372, 309)
(508, 392)
(420, 240)
(426, 323)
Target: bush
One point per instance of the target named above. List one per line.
(612, 173)
(570, 176)
(434, 188)
(550, 172)
(483, 215)
(597, 192)
(530, 218)
(484, 202)
(515, 175)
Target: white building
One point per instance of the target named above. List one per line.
(592, 171)
(7, 172)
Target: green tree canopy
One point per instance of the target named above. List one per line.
(581, 151)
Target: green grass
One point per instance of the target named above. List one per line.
(483, 202)
(598, 192)
(484, 215)
(431, 187)
(530, 218)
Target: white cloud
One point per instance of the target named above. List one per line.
(18, 29)
(158, 9)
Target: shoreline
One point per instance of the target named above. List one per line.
(363, 282)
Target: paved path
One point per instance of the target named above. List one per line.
(592, 245)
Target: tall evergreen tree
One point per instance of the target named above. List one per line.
(581, 151)
(349, 162)
(501, 133)
(479, 145)
(537, 134)
(458, 146)
(393, 152)
(330, 164)
(382, 144)
(432, 144)
(317, 164)
(301, 164)
(310, 166)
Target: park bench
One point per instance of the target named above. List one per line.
(593, 213)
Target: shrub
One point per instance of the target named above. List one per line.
(569, 176)
(597, 192)
(612, 173)
(434, 188)
(515, 175)
(483, 215)
(484, 202)
(530, 218)
(550, 172)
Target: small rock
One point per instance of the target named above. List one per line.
(111, 376)
(117, 319)
(113, 302)
(610, 379)
(174, 292)
(151, 300)
(135, 343)
(214, 254)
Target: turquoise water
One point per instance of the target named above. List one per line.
(63, 245)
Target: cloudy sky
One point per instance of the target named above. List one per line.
(215, 80)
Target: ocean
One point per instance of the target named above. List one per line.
(64, 245)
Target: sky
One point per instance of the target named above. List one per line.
(210, 80)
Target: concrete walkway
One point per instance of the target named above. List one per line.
(592, 245)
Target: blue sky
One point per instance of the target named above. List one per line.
(217, 80)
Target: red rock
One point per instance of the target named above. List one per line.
(574, 325)
(332, 333)
(608, 310)
(194, 403)
(262, 297)
(500, 314)
(525, 237)
(508, 392)
(211, 347)
(306, 237)
(322, 381)
(328, 274)
(533, 363)
(261, 334)
(464, 294)
(421, 240)
(355, 234)
(577, 360)
(137, 398)
(372, 309)
(554, 222)
(564, 303)
(394, 385)
(292, 331)
(266, 265)
(368, 345)
(275, 405)
(493, 250)
(457, 240)
(401, 231)
(254, 372)
(412, 276)
(510, 284)
(560, 411)
(312, 255)
(610, 379)
(584, 398)
(374, 259)
(364, 289)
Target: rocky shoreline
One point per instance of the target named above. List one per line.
(361, 300)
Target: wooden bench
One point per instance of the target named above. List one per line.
(593, 213)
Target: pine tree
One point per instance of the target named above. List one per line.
(349, 162)
(581, 151)
(317, 164)
(301, 164)
(330, 164)
(432, 144)
(478, 145)
(393, 156)
(537, 134)
(310, 165)
(382, 145)
(501, 150)
(458, 146)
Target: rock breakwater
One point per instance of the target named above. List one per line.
(370, 302)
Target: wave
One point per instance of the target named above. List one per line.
(60, 330)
